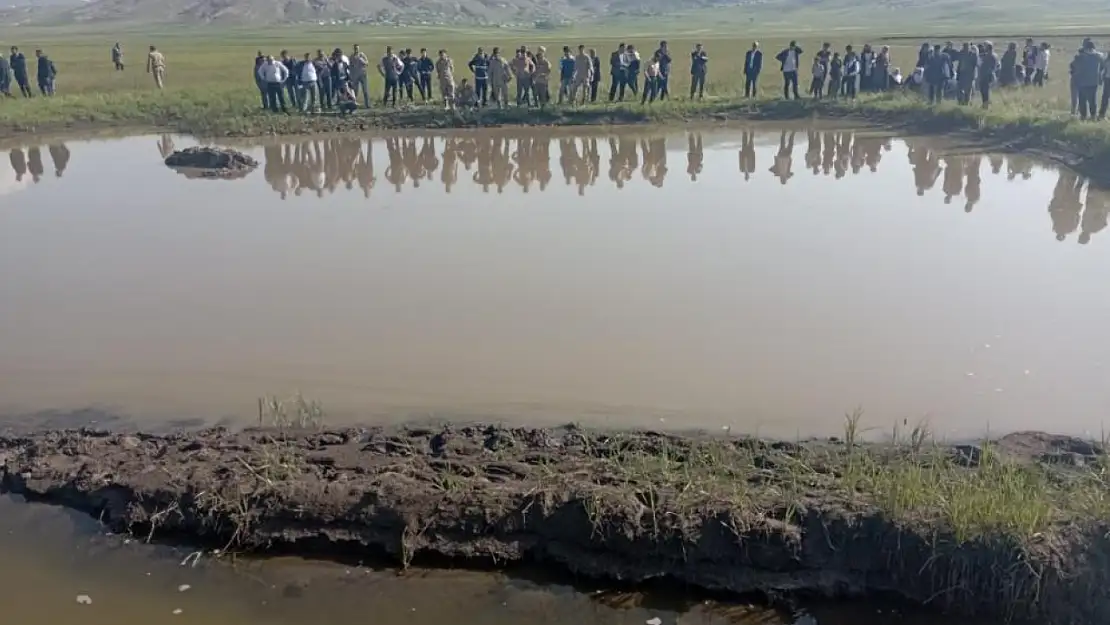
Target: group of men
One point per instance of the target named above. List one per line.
(336, 80)
(16, 66)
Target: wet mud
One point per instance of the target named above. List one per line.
(722, 514)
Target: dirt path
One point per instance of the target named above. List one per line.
(1016, 528)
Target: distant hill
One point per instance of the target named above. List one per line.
(411, 12)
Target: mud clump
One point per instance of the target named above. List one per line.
(1014, 534)
(211, 162)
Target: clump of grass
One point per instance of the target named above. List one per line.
(290, 412)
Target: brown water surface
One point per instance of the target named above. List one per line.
(59, 569)
(767, 281)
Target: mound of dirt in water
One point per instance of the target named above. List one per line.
(1014, 528)
(210, 162)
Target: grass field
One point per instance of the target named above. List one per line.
(210, 88)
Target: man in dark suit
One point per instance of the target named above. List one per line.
(753, 64)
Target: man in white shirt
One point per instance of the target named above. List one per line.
(306, 83)
(1040, 71)
(273, 75)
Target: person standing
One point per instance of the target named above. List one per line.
(836, 74)
(753, 65)
(633, 64)
(522, 71)
(817, 85)
(360, 80)
(881, 79)
(652, 78)
(410, 74)
(274, 75)
(290, 77)
(5, 77)
(1105, 104)
(323, 80)
(1088, 68)
(987, 72)
(18, 61)
(618, 73)
(567, 65)
(307, 83)
(789, 61)
(47, 73)
(499, 76)
(663, 88)
(851, 72)
(1007, 72)
(967, 72)
(1040, 68)
(867, 69)
(425, 67)
(445, 71)
(937, 74)
(541, 77)
(117, 56)
(156, 67)
(699, 70)
(479, 66)
(390, 68)
(1029, 60)
(583, 76)
(259, 60)
(596, 80)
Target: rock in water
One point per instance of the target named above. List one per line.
(206, 161)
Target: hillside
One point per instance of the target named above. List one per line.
(256, 12)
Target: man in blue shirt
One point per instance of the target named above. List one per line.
(566, 75)
(479, 65)
(19, 67)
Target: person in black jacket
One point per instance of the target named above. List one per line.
(291, 82)
(46, 74)
(753, 64)
(479, 66)
(699, 69)
(19, 68)
(665, 60)
(596, 76)
(410, 73)
(5, 77)
(938, 72)
(426, 67)
(323, 80)
(790, 60)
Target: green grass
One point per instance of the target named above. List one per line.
(210, 90)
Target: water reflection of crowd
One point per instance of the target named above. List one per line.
(494, 162)
(30, 162)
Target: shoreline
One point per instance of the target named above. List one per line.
(1082, 146)
(1012, 528)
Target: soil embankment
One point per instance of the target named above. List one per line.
(1014, 528)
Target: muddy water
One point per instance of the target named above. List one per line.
(60, 569)
(768, 281)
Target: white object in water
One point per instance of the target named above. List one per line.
(84, 599)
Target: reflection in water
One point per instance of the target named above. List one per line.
(715, 296)
(30, 162)
(494, 161)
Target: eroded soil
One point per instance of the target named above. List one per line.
(732, 514)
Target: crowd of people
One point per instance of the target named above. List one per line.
(529, 78)
(574, 77)
(341, 81)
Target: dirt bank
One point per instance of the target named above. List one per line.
(1015, 528)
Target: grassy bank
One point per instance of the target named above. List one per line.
(210, 91)
(1014, 528)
